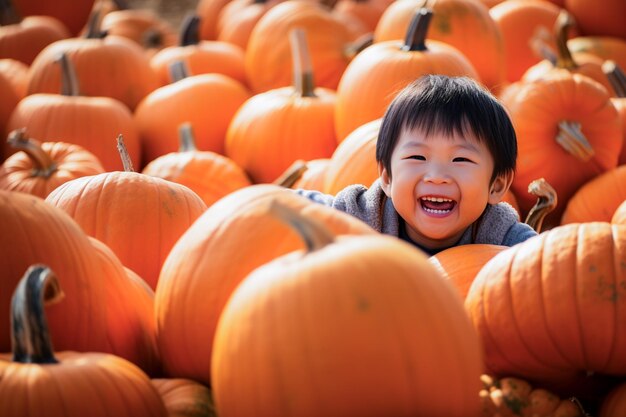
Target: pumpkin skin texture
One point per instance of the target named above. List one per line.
(72, 13)
(24, 40)
(185, 397)
(138, 216)
(619, 217)
(614, 405)
(313, 177)
(61, 162)
(10, 99)
(370, 329)
(564, 290)
(17, 74)
(593, 202)
(36, 381)
(36, 232)
(199, 274)
(593, 19)
(537, 110)
(463, 24)
(460, 264)
(605, 47)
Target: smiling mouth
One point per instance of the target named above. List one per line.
(437, 205)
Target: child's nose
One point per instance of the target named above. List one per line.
(437, 175)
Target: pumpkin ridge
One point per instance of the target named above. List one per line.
(577, 279)
(615, 238)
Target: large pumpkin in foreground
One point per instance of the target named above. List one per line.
(350, 326)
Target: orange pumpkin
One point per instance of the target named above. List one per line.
(555, 287)
(237, 19)
(112, 66)
(463, 24)
(377, 73)
(185, 397)
(72, 13)
(460, 264)
(200, 56)
(619, 216)
(614, 405)
(605, 47)
(209, 11)
(568, 132)
(268, 56)
(10, 99)
(606, 19)
(34, 231)
(336, 327)
(312, 178)
(17, 74)
(199, 274)
(208, 174)
(41, 167)
(367, 12)
(37, 381)
(593, 202)
(617, 78)
(273, 129)
(138, 216)
(91, 122)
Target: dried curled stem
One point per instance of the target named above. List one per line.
(546, 203)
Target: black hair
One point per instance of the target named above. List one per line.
(448, 105)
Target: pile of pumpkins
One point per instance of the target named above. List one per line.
(153, 261)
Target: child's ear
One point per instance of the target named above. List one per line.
(499, 187)
(385, 180)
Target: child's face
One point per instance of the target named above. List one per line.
(440, 185)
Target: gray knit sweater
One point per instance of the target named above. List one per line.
(500, 223)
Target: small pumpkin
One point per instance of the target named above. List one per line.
(68, 384)
(185, 397)
(596, 20)
(614, 404)
(41, 167)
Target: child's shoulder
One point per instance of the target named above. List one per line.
(501, 226)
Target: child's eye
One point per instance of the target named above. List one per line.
(417, 157)
(461, 159)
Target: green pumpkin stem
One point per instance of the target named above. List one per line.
(415, 39)
(69, 79)
(546, 203)
(190, 30)
(44, 166)
(8, 14)
(186, 138)
(178, 70)
(616, 77)
(564, 58)
(292, 174)
(572, 139)
(314, 234)
(303, 80)
(121, 148)
(30, 338)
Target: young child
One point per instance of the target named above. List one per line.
(446, 155)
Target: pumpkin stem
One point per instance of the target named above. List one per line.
(121, 4)
(152, 38)
(314, 234)
(415, 39)
(178, 70)
(30, 339)
(292, 174)
(358, 45)
(8, 14)
(93, 30)
(304, 84)
(43, 165)
(578, 404)
(121, 148)
(572, 139)
(616, 77)
(546, 202)
(564, 58)
(539, 44)
(69, 79)
(190, 30)
(186, 138)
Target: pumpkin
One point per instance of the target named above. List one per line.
(41, 167)
(233, 237)
(308, 175)
(37, 381)
(10, 99)
(379, 71)
(568, 132)
(23, 39)
(460, 264)
(592, 202)
(209, 11)
(138, 216)
(589, 65)
(619, 216)
(200, 56)
(185, 397)
(72, 13)
(463, 24)
(90, 122)
(143, 26)
(337, 326)
(605, 47)
(112, 66)
(555, 287)
(519, 22)
(614, 405)
(237, 19)
(17, 73)
(207, 101)
(267, 55)
(208, 174)
(511, 397)
(34, 231)
(607, 20)
(298, 121)
(617, 78)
